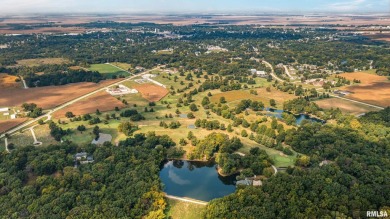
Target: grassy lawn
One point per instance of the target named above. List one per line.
(21, 139)
(234, 97)
(107, 70)
(122, 65)
(184, 210)
(280, 159)
(41, 61)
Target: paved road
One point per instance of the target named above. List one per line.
(6, 144)
(36, 142)
(186, 200)
(272, 71)
(24, 84)
(275, 169)
(288, 72)
(72, 102)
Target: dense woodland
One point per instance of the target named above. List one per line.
(121, 182)
(356, 178)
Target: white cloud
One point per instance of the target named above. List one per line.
(348, 6)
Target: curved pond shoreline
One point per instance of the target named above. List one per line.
(299, 118)
(195, 179)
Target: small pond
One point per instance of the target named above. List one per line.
(197, 180)
(299, 118)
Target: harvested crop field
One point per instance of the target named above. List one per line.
(151, 92)
(51, 96)
(102, 101)
(365, 78)
(375, 93)
(345, 106)
(8, 81)
(373, 89)
(10, 123)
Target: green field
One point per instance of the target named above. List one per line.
(184, 210)
(107, 70)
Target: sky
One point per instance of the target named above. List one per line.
(192, 6)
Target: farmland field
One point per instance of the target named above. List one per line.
(107, 70)
(10, 123)
(51, 96)
(8, 81)
(151, 92)
(42, 61)
(365, 78)
(345, 106)
(373, 89)
(102, 101)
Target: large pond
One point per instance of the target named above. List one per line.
(298, 118)
(197, 180)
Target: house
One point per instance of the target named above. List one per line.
(245, 182)
(261, 74)
(4, 110)
(80, 156)
(325, 162)
(83, 158)
(253, 71)
(88, 160)
(257, 183)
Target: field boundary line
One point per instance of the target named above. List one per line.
(355, 101)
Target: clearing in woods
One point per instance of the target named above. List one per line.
(107, 70)
(184, 210)
(9, 81)
(151, 92)
(373, 89)
(42, 61)
(101, 101)
(50, 96)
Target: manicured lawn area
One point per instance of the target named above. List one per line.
(107, 70)
(184, 210)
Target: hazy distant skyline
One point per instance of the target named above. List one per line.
(192, 6)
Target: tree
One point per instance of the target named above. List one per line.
(190, 116)
(96, 132)
(272, 102)
(229, 128)
(81, 128)
(127, 128)
(222, 100)
(193, 107)
(244, 133)
(69, 115)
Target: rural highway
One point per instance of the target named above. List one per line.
(72, 102)
(186, 200)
